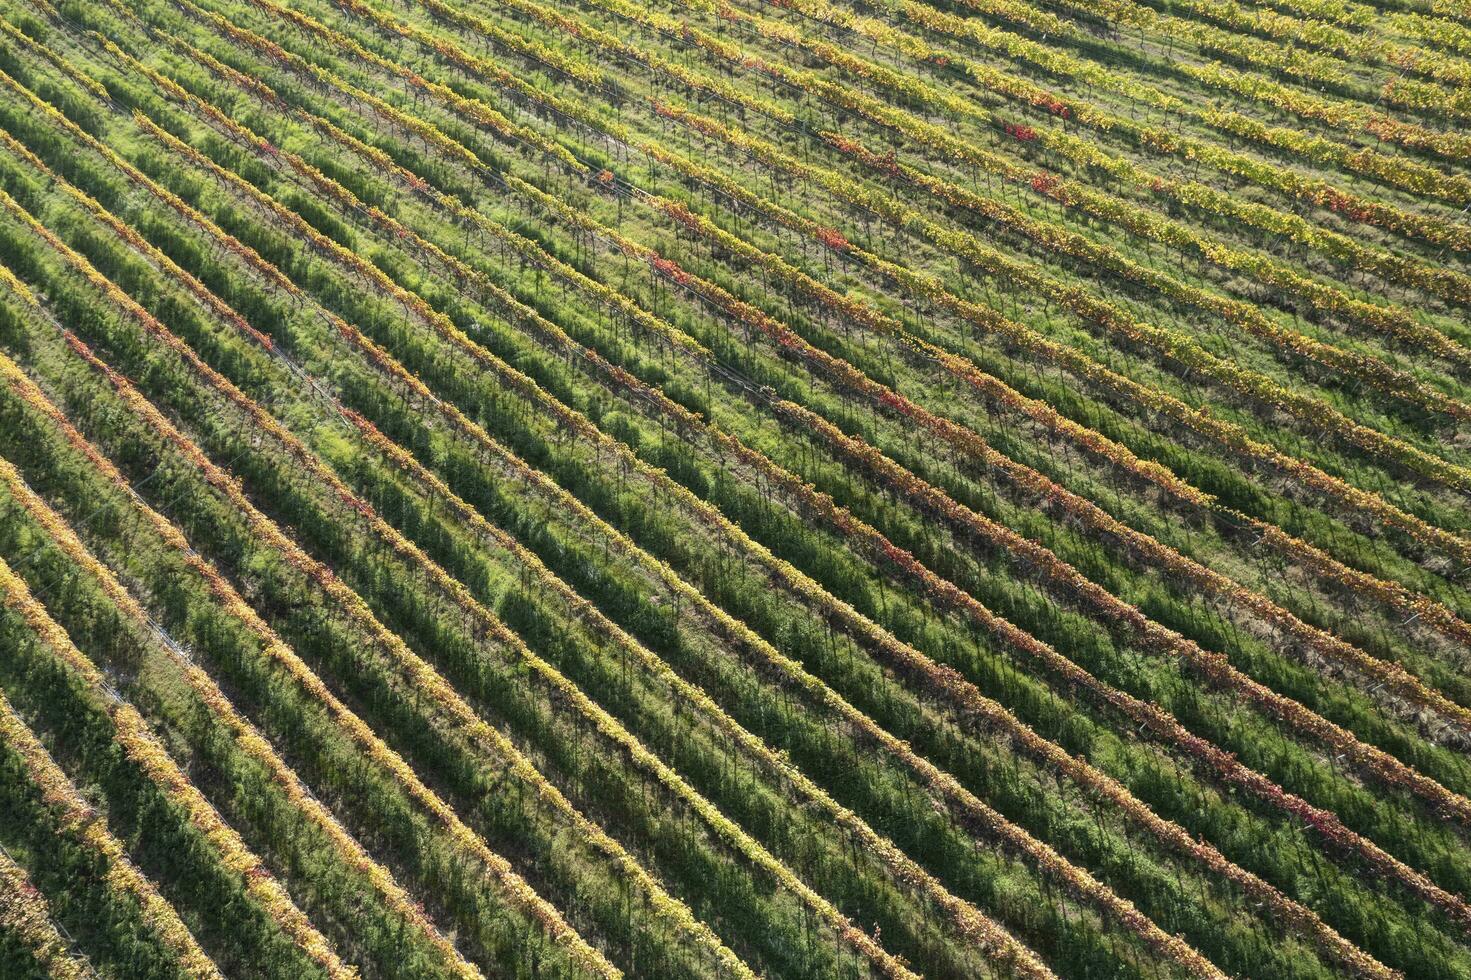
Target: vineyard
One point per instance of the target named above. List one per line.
(735, 489)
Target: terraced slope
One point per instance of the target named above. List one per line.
(813, 488)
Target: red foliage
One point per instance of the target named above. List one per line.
(1340, 203)
(893, 401)
(671, 269)
(1053, 105)
(833, 239)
